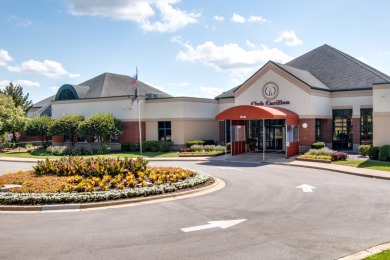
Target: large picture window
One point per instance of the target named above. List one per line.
(366, 126)
(164, 131)
(342, 129)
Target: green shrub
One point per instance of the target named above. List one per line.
(318, 145)
(57, 150)
(229, 146)
(194, 142)
(373, 153)
(29, 146)
(125, 147)
(151, 146)
(363, 149)
(165, 146)
(207, 148)
(208, 142)
(38, 151)
(384, 153)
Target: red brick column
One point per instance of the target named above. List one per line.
(356, 132)
(307, 135)
(131, 132)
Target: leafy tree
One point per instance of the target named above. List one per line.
(100, 125)
(66, 125)
(16, 92)
(12, 119)
(39, 126)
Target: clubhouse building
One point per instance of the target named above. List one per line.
(323, 95)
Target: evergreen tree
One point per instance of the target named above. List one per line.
(16, 92)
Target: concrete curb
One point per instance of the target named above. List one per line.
(366, 253)
(217, 185)
(336, 170)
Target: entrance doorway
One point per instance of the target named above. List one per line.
(274, 133)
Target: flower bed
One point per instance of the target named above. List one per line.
(87, 180)
(202, 150)
(323, 155)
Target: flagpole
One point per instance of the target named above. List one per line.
(139, 117)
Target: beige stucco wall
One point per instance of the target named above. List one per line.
(190, 108)
(301, 101)
(381, 114)
(184, 130)
(354, 100)
(225, 104)
(121, 108)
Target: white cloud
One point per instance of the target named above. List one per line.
(230, 56)
(250, 44)
(257, 19)
(54, 89)
(49, 68)
(362, 59)
(28, 83)
(4, 58)
(219, 18)
(236, 18)
(289, 38)
(139, 11)
(20, 21)
(4, 83)
(181, 84)
(211, 92)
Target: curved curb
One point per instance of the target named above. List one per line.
(336, 170)
(217, 185)
(366, 253)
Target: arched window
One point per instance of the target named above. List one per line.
(66, 92)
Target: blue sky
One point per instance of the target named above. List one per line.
(186, 48)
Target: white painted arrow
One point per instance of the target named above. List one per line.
(214, 224)
(306, 188)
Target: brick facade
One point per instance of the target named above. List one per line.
(131, 132)
(356, 132)
(307, 135)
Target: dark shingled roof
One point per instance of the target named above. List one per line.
(113, 85)
(41, 108)
(330, 69)
(337, 70)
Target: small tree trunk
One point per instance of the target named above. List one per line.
(14, 137)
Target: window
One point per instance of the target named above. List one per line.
(66, 94)
(292, 133)
(318, 130)
(366, 126)
(164, 131)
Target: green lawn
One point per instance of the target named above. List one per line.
(111, 155)
(374, 165)
(385, 255)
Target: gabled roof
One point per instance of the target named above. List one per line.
(337, 70)
(329, 69)
(41, 108)
(113, 85)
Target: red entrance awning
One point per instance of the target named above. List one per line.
(249, 112)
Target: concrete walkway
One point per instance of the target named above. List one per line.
(257, 158)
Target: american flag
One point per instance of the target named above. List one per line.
(134, 85)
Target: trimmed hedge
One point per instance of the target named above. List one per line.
(151, 146)
(318, 145)
(384, 153)
(128, 147)
(363, 149)
(373, 153)
(194, 142)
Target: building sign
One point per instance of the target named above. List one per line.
(270, 92)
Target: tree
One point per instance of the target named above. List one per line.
(16, 92)
(39, 126)
(12, 119)
(66, 125)
(100, 125)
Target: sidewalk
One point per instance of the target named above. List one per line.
(257, 158)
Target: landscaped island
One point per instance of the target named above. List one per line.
(76, 179)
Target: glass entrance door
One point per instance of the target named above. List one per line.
(274, 133)
(342, 129)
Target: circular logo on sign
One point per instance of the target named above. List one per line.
(270, 91)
